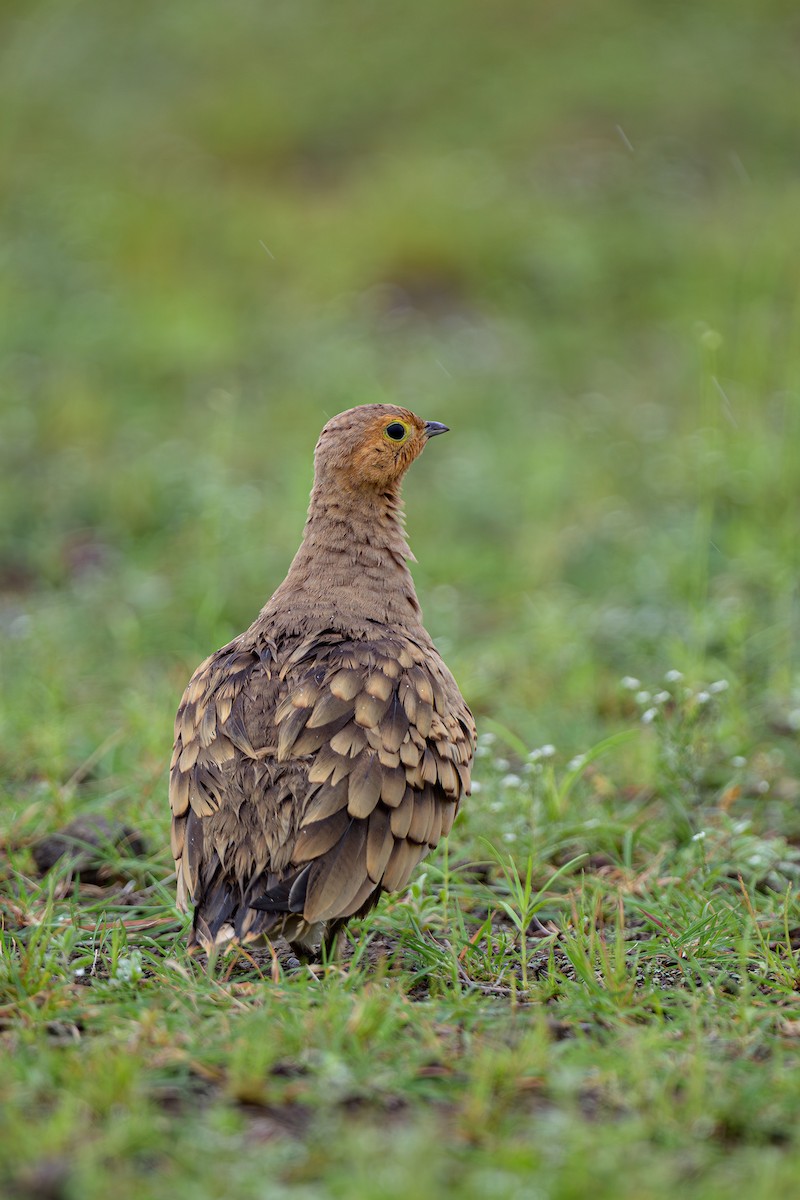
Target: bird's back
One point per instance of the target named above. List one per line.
(310, 774)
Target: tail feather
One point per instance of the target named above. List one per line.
(285, 896)
(226, 911)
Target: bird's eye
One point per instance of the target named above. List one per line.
(397, 431)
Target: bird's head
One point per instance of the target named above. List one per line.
(371, 447)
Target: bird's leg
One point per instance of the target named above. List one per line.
(330, 942)
(212, 955)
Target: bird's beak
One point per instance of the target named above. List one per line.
(434, 427)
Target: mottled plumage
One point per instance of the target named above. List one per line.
(323, 752)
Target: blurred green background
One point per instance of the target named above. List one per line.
(568, 231)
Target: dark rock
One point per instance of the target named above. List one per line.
(87, 843)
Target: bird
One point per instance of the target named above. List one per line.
(321, 754)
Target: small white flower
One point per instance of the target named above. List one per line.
(78, 972)
(486, 739)
(698, 837)
(509, 837)
(540, 752)
(673, 676)
(128, 969)
(496, 806)
(719, 685)
(642, 697)
(502, 764)
(703, 697)
(762, 786)
(649, 716)
(630, 683)
(577, 762)
(711, 339)
(738, 761)
(511, 781)
(477, 786)
(793, 719)
(662, 697)
(20, 627)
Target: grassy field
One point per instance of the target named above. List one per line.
(569, 232)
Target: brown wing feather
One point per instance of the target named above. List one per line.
(202, 749)
(312, 776)
(399, 773)
(338, 876)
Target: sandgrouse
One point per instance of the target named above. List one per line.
(321, 754)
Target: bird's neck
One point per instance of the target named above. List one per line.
(351, 570)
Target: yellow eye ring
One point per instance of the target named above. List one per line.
(397, 432)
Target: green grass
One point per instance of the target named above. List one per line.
(569, 232)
